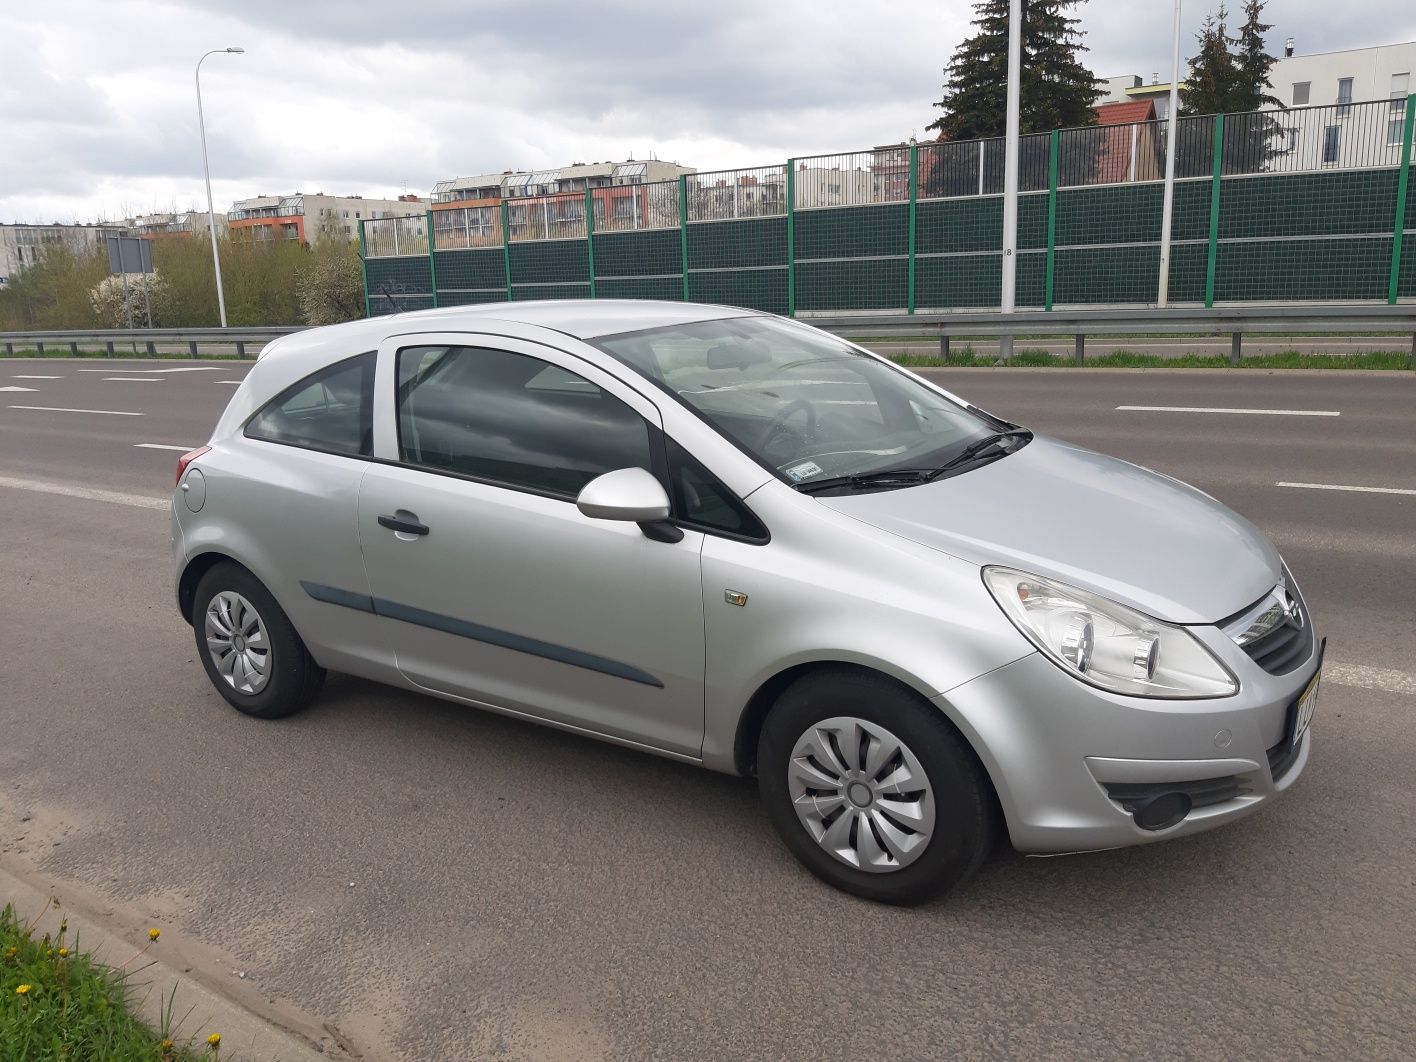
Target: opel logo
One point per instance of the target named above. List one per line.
(1292, 611)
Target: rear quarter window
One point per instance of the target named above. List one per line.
(330, 410)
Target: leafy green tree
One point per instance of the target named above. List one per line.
(1056, 89)
(331, 283)
(54, 292)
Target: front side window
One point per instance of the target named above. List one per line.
(512, 419)
(803, 403)
(331, 410)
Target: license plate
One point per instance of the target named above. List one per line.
(1303, 710)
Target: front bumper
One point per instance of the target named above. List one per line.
(1070, 762)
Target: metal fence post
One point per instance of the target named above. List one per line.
(590, 235)
(1218, 172)
(1403, 180)
(506, 246)
(1051, 219)
(432, 260)
(364, 267)
(914, 213)
(683, 231)
(791, 237)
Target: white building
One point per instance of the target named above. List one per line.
(175, 223)
(308, 218)
(1339, 110)
(822, 186)
(1353, 75)
(21, 246)
(490, 188)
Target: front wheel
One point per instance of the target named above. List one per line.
(249, 647)
(873, 789)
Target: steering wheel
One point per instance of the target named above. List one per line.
(778, 426)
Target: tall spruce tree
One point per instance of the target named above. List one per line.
(1057, 89)
(1214, 75)
(1230, 76)
(1253, 62)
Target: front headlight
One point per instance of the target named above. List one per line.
(1107, 644)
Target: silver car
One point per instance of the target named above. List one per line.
(738, 541)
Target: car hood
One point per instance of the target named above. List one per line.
(1058, 510)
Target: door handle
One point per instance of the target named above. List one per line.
(404, 521)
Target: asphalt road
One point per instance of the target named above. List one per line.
(438, 883)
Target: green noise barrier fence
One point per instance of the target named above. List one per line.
(1310, 203)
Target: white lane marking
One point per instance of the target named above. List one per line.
(70, 490)
(162, 446)
(231, 381)
(183, 368)
(18, 388)
(130, 379)
(1222, 409)
(1370, 678)
(64, 409)
(1339, 486)
(17, 376)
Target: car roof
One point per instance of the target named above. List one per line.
(580, 318)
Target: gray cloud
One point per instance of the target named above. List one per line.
(97, 114)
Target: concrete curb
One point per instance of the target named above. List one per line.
(197, 1010)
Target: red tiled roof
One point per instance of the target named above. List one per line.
(1122, 113)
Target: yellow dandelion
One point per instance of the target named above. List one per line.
(49, 953)
(214, 1039)
(10, 953)
(22, 990)
(63, 953)
(153, 934)
(167, 1045)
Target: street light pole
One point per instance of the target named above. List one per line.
(1168, 205)
(206, 170)
(1009, 279)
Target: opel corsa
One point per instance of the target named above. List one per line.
(741, 542)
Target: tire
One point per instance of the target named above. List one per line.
(957, 803)
(230, 605)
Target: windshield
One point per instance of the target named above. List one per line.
(803, 403)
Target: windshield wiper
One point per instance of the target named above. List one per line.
(889, 477)
(978, 450)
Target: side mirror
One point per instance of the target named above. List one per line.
(624, 494)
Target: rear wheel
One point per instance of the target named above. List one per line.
(873, 789)
(248, 646)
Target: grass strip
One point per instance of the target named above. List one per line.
(57, 1003)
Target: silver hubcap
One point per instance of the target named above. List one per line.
(862, 794)
(236, 639)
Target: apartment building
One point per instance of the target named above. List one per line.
(308, 218)
(22, 245)
(467, 210)
(176, 223)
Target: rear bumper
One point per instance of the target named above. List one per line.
(1071, 764)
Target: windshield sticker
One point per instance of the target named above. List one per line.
(805, 470)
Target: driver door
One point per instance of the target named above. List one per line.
(508, 595)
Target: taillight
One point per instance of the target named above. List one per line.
(186, 459)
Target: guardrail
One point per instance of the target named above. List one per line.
(1234, 321)
(195, 339)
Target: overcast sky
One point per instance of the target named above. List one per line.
(98, 113)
